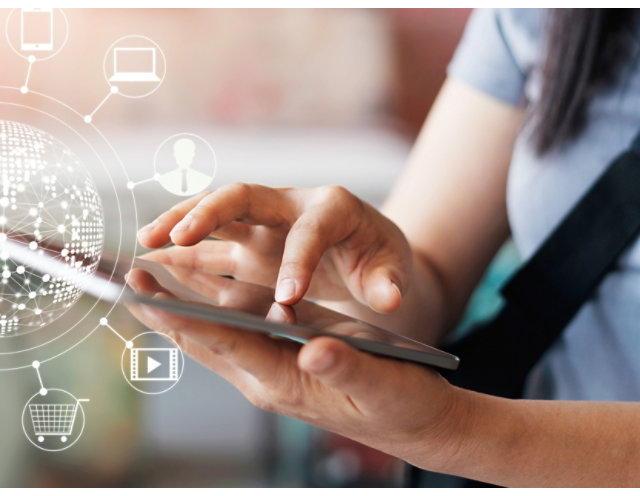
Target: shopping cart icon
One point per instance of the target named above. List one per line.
(54, 419)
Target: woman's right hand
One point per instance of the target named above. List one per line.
(323, 242)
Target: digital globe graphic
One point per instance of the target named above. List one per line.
(49, 202)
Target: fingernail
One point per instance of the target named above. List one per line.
(148, 227)
(322, 362)
(276, 314)
(183, 225)
(396, 288)
(286, 290)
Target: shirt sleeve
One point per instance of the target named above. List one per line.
(484, 58)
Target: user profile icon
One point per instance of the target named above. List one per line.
(152, 363)
(184, 164)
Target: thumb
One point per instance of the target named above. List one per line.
(382, 281)
(382, 291)
(342, 367)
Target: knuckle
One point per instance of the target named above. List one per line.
(340, 197)
(262, 401)
(235, 258)
(294, 267)
(231, 344)
(333, 192)
(308, 224)
(290, 398)
(173, 213)
(177, 337)
(224, 345)
(240, 189)
(277, 398)
(200, 212)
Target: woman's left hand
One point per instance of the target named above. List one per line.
(401, 408)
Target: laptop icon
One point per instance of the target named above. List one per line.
(134, 65)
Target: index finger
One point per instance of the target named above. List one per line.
(156, 234)
(190, 222)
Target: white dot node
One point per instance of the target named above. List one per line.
(129, 344)
(31, 59)
(35, 364)
(103, 321)
(24, 90)
(33, 245)
(114, 90)
(88, 119)
(131, 185)
(43, 391)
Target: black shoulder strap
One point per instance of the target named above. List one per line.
(552, 286)
(549, 289)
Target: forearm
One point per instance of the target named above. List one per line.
(543, 443)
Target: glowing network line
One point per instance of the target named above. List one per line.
(89, 117)
(36, 367)
(105, 323)
(133, 184)
(25, 87)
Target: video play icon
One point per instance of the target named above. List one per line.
(154, 364)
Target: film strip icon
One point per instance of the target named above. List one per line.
(145, 361)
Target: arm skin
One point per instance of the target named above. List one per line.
(548, 443)
(450, 206)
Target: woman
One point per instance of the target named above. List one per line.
(536, 104)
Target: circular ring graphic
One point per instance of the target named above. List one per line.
(53, 419)
(153, 368)
(138, 63)
(181, 178)
(31, 57)
(49, 342)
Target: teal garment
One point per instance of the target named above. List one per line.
(598, 355)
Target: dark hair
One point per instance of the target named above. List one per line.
(586, 49)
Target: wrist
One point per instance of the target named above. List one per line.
(448, 439)
(476, 438)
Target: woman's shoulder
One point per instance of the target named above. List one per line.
(499, 50)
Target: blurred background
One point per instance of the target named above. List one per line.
(286, 98)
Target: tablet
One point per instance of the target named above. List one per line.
(218, 299)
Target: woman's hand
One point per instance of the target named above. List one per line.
(403, 409)
(323, 241)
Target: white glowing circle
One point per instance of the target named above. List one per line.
(48, 201)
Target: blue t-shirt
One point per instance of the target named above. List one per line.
(598, 355)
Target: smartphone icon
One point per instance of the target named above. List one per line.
(36, 30)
